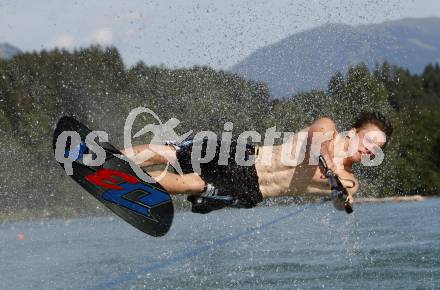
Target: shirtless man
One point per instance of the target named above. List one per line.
(270, 176)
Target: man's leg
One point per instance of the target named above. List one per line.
(176, 183)
(151, 154)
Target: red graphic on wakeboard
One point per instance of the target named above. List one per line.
(108, 178)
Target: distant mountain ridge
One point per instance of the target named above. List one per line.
(8, 51)
(308, 59)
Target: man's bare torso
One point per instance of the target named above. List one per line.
(276, 178)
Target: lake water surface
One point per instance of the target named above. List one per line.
(380, 246)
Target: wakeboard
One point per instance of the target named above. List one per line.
(146, 206)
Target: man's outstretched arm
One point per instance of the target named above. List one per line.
(320, 135)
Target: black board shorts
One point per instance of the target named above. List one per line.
(240, 182)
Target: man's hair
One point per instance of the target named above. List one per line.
(374, 118)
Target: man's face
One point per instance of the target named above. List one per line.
(370, 139)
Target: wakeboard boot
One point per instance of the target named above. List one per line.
(209, 200)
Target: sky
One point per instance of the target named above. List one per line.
(183, 33)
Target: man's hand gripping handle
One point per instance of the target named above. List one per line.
(339, 194)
